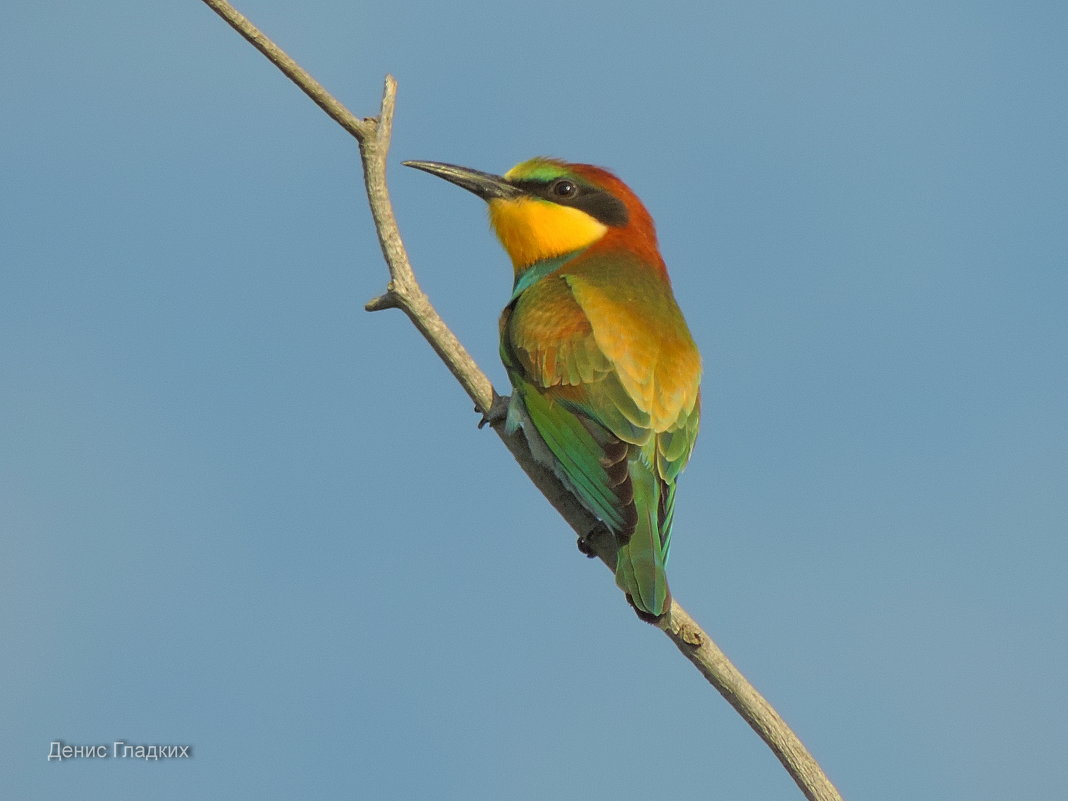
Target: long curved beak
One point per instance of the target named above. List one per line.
(486, 185)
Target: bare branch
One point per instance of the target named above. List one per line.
(312, 88)
(403, 292)
(721, 673)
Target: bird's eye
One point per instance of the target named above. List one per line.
(564, 188)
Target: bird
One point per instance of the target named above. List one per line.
(605, 373)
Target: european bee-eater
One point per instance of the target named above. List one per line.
(606, 376)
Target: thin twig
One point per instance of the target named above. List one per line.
(403, 292)
(312, 88)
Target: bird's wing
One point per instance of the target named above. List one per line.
(617, 356)
(638, 326)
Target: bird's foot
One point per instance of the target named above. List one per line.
(586, 542)
(584, 546)
(497, 412)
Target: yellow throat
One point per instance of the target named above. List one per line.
(532, 229)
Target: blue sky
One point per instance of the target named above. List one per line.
(238, 512)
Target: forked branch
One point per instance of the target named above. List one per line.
(403, 292)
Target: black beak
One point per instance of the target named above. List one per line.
(486, 185)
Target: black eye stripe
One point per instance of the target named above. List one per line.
(590, 199)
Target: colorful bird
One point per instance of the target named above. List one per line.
(606, 376)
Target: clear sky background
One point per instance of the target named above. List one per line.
(238, 512)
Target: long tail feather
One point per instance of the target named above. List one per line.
(640, 568)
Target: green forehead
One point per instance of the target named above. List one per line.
(538, 169)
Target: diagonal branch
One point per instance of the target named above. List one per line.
(403, 292)
(277, 56)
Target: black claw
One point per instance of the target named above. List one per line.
(585, 541)
(497, 411)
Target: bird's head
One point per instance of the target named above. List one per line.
(544, 208)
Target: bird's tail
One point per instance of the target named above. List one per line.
(641, 563)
